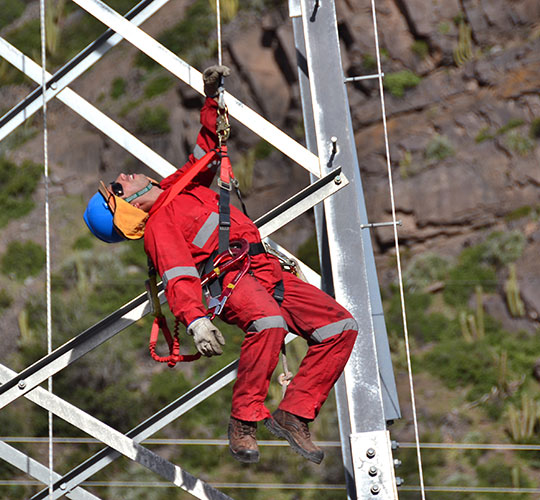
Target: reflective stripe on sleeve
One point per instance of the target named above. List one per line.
(176, 272)
(325, 332)
(206, 230)
(268, 322)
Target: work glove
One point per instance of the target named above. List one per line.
(207, 338)
(212, 78)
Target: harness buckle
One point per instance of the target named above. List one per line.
(224, 185)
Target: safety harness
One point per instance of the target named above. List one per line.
(231, 255)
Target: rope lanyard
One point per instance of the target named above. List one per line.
(47, 226)
(398, 256)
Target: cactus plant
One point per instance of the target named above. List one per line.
(522, 421)
(513, 297)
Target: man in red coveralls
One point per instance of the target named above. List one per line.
(179, 238)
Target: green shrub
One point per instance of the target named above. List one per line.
(129, 107)
(459, 363)
(510, 125)
(17, 184)
(502, 248)
(27, 38)
(497, 473)
(118, 88)
(469, 272)
(5, 300)
(154, 121)
(397, 83)
(518, 213)
(369, 62)
(423, 325)
(425, 270)
(484, 135)
(444, 27)
(420, 48)
(158, 85)
(23, 259)
(439, 148)
(11, 10)
(534, 130)
(518, 143)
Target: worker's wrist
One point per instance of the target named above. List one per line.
(191, 324)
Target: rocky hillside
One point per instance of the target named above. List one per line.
(462, 95)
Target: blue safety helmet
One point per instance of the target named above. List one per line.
(99, 219)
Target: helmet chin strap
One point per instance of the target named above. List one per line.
(134, 196)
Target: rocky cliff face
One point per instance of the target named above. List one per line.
(462, 102)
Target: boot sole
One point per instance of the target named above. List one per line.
(281, 432)
(245, 457)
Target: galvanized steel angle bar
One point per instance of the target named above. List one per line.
(193, 78)
(151, 425)
(301, 202)
(359, 391)
(75, 67)
(86, 110)
(72, 350)
(123, 317)
(119, 442)
(38, 471)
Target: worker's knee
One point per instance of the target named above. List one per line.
(346, 328)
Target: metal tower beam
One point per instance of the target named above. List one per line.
(37, 470)
(360, 392)
(193, 78)
(120, 443)
(74, 68)
(82, 107)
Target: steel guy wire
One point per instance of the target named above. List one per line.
(47, 222)
(218, 24)
(398, 257)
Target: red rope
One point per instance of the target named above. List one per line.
(160, 323)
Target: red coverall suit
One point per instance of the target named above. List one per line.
(182, 235)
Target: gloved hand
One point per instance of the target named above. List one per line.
(208, 339)
(212, 77)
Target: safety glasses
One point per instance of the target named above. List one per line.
(117, 188)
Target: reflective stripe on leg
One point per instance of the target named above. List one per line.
(325, 332)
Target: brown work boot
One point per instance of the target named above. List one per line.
(295, 430)
(242, 443)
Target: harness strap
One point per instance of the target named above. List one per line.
(188, 176)
(256, 248)
(225, 184)
(279, 292)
